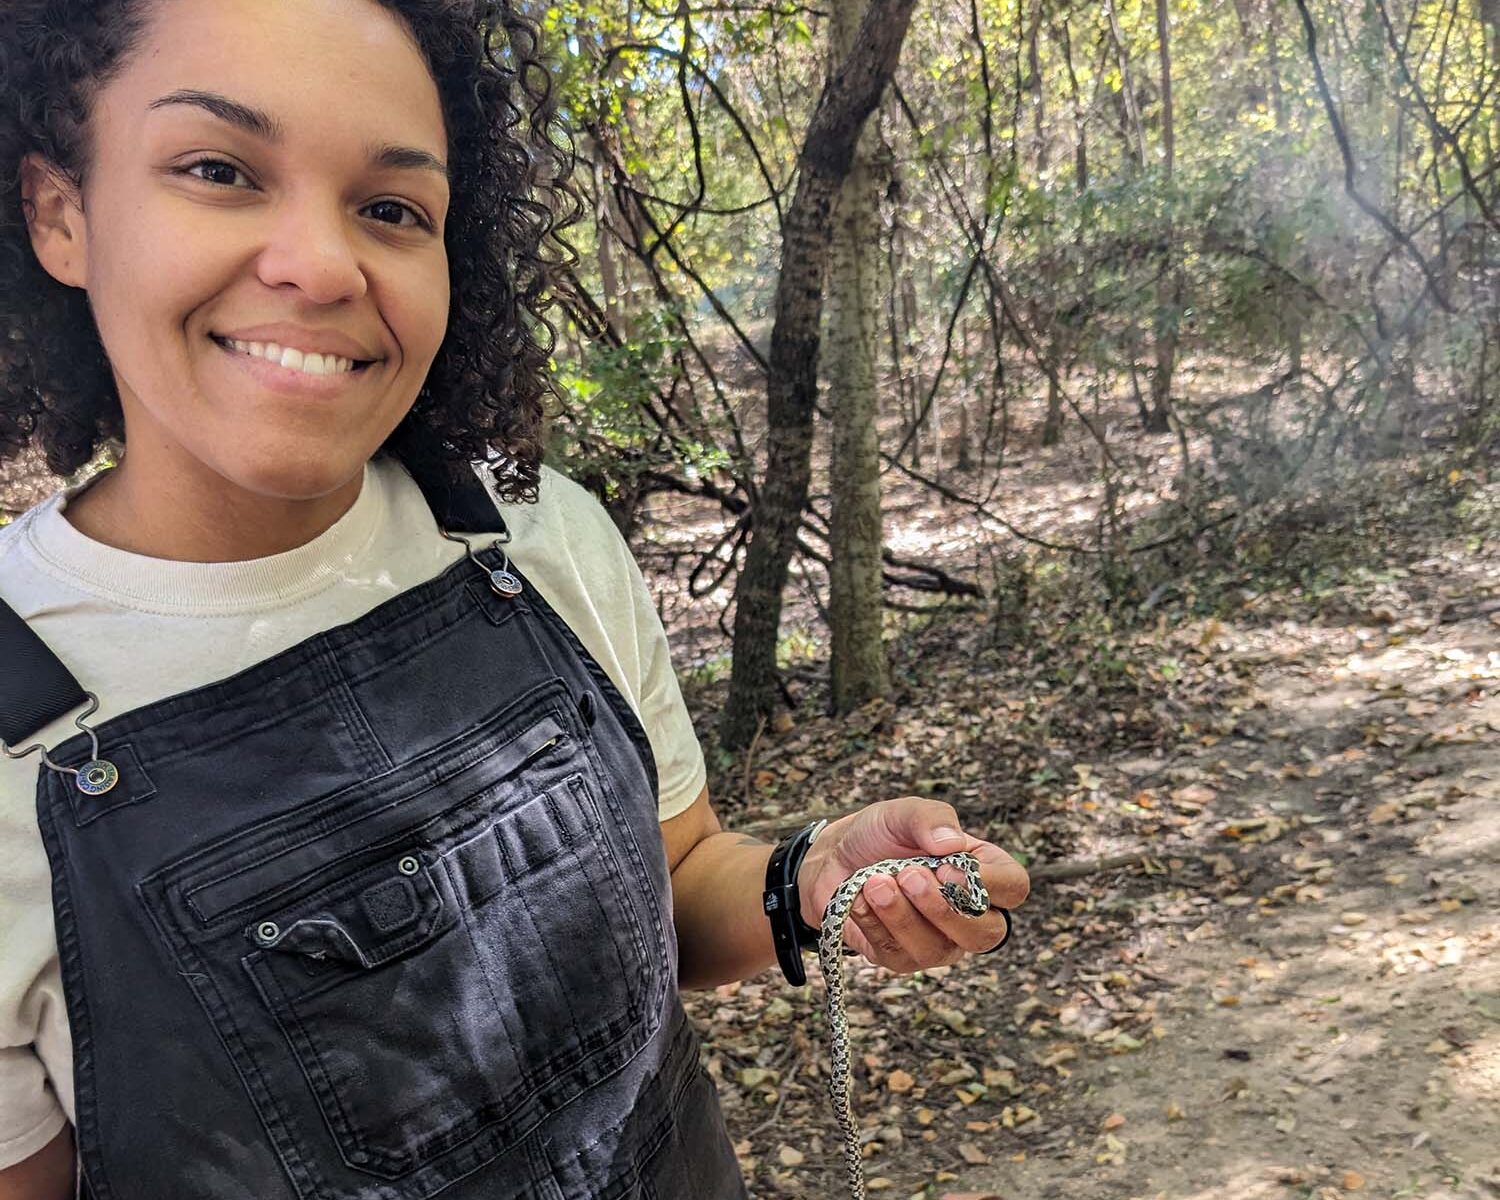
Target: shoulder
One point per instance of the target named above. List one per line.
(13, 532)
(561, 500)
(565, 518)
(17, 556)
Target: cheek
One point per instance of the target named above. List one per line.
(414, 302)
(144, 285)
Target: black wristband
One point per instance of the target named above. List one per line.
(783, 903)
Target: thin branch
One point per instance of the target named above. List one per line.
(1435, 127)
(1346, 152)
(708, 81)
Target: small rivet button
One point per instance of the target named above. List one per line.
(267, 932)
(408, 865)
(505, 583)
(97, 777)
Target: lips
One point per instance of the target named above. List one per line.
(288, 380)
(286, 355)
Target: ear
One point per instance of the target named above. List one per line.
(55, 220)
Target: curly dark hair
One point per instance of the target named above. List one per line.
(510, 161)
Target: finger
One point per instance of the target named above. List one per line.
(1004, 878)
(875, 941)
(969, 934)
(865, 935)
(931, 825)
(912, 932)
(855, 941)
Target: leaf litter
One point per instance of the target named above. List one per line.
(1299, 804)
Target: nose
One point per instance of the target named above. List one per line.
(312, 245)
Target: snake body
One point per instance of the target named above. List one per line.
(971, 901)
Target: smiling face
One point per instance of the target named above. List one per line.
(266, 178)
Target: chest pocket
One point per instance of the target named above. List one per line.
(458, 958)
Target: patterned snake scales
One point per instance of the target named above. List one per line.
(973, 901)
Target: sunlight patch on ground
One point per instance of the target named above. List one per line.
(1475, 1074)
(1247, 1182)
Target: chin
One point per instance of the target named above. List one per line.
(295, 477)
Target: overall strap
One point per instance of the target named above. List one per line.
(458, 499)
(35, 687)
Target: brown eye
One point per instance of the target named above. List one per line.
(398, 208)
(216, 170)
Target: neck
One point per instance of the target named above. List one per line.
(183, 520)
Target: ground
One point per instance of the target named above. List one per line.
(1295, 992)
(1292, 992)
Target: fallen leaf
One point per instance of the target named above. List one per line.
(1193, 797)
(972, 1154)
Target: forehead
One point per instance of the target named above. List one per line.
(320, 68)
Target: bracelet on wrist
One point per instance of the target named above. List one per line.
(782, 902)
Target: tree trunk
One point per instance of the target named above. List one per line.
(910, 355)
(1080, 127)
(1169, 290)
(792, 381)
(1273, 68)
(1052, 427)
(1038, 96)
(858, 667)
(611, 274)
(1132, 127)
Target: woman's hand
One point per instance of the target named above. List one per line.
(908, 926)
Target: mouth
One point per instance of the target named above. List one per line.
(312, 366)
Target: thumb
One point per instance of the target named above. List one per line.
(929, 824)
(944, 839)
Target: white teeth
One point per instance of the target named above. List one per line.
(296, 360)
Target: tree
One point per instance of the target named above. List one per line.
(858, 667)
(827, 154)
(1170, 288)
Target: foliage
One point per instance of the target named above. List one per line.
(1319, 256)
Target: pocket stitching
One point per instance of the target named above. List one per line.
(626, 1037)
(436, 767)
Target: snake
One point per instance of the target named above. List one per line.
(972, 900)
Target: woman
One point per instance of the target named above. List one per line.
(403, 849)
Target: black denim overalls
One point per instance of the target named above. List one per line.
(385, 916)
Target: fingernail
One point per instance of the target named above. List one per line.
(947, 834)
(883, 896)
(915, 883)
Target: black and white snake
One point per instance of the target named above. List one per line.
(971, 901)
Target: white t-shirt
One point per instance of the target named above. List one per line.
(135, 629)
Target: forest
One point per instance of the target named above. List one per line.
(1086, 414)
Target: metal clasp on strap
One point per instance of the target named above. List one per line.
(503, 581)
(96, 776)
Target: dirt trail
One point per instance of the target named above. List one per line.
(1299, 996)
(1347, 1041)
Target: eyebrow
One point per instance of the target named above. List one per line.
(267, 128)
